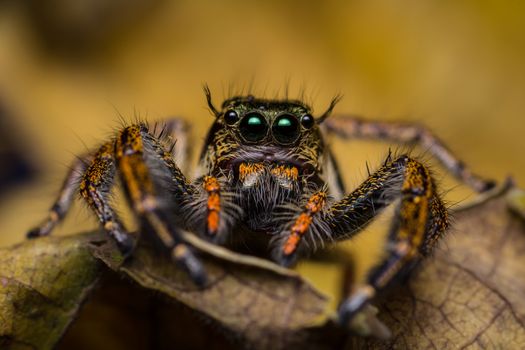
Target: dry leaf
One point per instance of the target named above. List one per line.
(254, 298)
(470, 294)
(42, 284)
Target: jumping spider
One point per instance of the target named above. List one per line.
(267, 175)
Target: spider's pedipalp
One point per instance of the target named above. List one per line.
(301, 226)
(212, 211)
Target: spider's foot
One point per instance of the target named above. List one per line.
(287, 260)
(35, 233)
(124, 240)
(366, 324)
(183, 256)
(481, 185)
(40, 231)
(354, 304)
(215, 237)
(487, 185)
(357, 314)
(125, 243)
(284, 260)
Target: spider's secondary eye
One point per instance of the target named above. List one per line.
(285, 129)
(231, 117)
(307, 121)
(253, 127)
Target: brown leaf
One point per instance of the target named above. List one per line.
(471, 294)
(255, 299)
(42, 284)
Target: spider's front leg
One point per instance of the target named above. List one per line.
(155, 199)
(95, 188)
(94, 176)
(420, 220)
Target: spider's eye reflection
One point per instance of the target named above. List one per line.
(253, 127)
(285, 129)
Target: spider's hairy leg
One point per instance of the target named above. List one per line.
(95, 188)
(213, 205)
(65, 197)
(354, 127)
(173, 134)
(315, 203)
(212, 210)
(420, 220)
(138, 153)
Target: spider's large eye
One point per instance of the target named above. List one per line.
(285, 129)
(253, 127)
(231, 117)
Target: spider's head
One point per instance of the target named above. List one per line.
(259, 121)
(268, 122)
(255, 130)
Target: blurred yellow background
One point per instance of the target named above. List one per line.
(67, 68)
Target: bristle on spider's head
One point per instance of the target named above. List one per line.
(327, 113)
(212, 108)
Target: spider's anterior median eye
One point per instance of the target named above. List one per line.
(285, 129)
(253, 127)
(231, 117)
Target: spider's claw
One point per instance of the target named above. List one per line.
(189, 262)
(34, 233)
(488, 185)
(199, 277)
(282, 259)
(39, 231)
(365, 323)
(287, 260)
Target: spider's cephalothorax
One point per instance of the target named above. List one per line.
(270, 153)
(265, 176)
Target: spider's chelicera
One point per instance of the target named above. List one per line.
(267, 184)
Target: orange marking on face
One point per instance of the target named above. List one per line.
(288, 172)
(246, 169)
